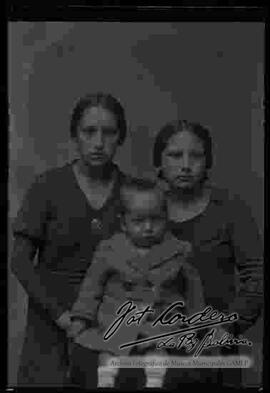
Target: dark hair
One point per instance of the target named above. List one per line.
(108, 102)
(139, 185)
(173, 128)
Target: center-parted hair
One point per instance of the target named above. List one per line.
(106, 101)
(173, 128)
(136, 185)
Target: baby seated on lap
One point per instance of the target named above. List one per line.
(145, 264)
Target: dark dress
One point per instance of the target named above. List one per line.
(58, 219)
(225, 240)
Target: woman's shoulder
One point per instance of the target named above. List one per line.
(54, 175)
(230, 207)
(227, 198)
(53, 182)
(47, 183)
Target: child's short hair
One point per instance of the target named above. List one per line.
(136, 185)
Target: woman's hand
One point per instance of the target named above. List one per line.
(76, 328)
(71, 326)
(64, 321)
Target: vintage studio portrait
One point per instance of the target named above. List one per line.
(136, 204)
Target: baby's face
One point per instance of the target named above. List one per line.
(145, 219)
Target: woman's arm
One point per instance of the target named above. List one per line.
(248, 254)
(189, 281)
(84, 310)
(194, 296)
(92, 287)
(29, 231)
(38, 287)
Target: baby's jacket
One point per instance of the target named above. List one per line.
(119, 278)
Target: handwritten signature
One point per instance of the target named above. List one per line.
(207, 318)
(190, 342)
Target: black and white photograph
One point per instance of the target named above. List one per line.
(136, 204)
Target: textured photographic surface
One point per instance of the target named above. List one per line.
(208, 73)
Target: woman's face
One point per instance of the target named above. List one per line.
(97, 136)
(183, 160)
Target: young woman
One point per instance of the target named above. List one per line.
(227, 247)
(65, 214)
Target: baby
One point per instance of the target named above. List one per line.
(144, 264)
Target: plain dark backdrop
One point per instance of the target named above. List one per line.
(206, 72)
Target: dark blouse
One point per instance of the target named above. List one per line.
(58, 219)
(228, 254)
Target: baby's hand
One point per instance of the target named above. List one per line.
(75, 328)
(64, 321)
